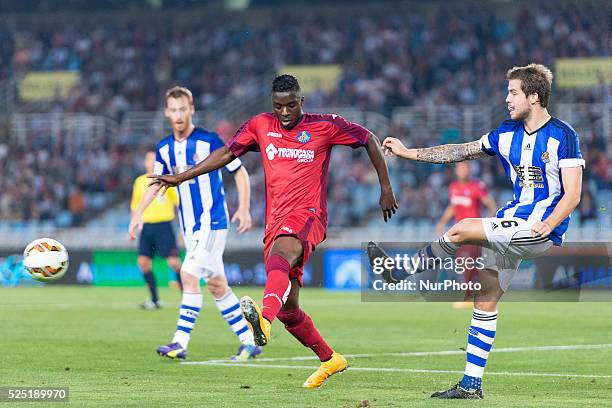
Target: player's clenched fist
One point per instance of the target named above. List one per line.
(541, 229)
(393, 146)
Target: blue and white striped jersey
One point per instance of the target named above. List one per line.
(202, 199)
(533, 163)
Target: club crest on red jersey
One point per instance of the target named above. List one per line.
(303, 137)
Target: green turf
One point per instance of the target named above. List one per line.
(95, 341)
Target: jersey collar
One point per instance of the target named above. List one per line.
(538, 129)
(185, 139)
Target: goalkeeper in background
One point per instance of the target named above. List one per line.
(157, 235)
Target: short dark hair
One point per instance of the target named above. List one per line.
(535, 79)
(285, 83)
(178, 92)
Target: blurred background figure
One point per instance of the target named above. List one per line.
(157, 234)
(466, 197)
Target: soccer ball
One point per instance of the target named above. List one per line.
(45, 259)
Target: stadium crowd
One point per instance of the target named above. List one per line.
(61, 181)
(64, 182)
(450, 56)
(456, 55)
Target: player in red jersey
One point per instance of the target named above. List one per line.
(466, 198)
(295, 148)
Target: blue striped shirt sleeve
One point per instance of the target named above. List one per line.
(569, 150)
(489, 143)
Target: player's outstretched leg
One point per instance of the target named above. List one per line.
(468, 230)
(441, 248)
(300, 325)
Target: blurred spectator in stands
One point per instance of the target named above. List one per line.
(76, 204)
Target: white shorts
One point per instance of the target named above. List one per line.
(204, 257)
(509, 242)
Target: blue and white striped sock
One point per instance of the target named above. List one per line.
(191, 304)
(229, 307)
(441, 249)
(480, 339)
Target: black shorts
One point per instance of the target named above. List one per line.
(157, 238)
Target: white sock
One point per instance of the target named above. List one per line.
(191, 304)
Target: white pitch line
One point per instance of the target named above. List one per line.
(403, 370)
(425, 353)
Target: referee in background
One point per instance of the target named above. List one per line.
(157, 234)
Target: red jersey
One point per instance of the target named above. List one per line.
(296, 161)
(466, 199)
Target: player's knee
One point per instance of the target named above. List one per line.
(454, 234)
(288, 248)
(217, 291)
(174, 263)
(462, 231)
(190, 283)
(145, 264)
(217, 286)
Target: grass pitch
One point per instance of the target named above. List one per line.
(97, 342)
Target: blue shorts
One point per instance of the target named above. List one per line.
(157, 238)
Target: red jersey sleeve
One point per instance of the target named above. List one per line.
(347, 133)
(245, 139)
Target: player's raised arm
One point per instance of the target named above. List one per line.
(243, 213)
(216, 160)
(387, 201)
(448, 153)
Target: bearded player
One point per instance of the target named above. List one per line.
(295, 148)
(204, 222)
(541, 157)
